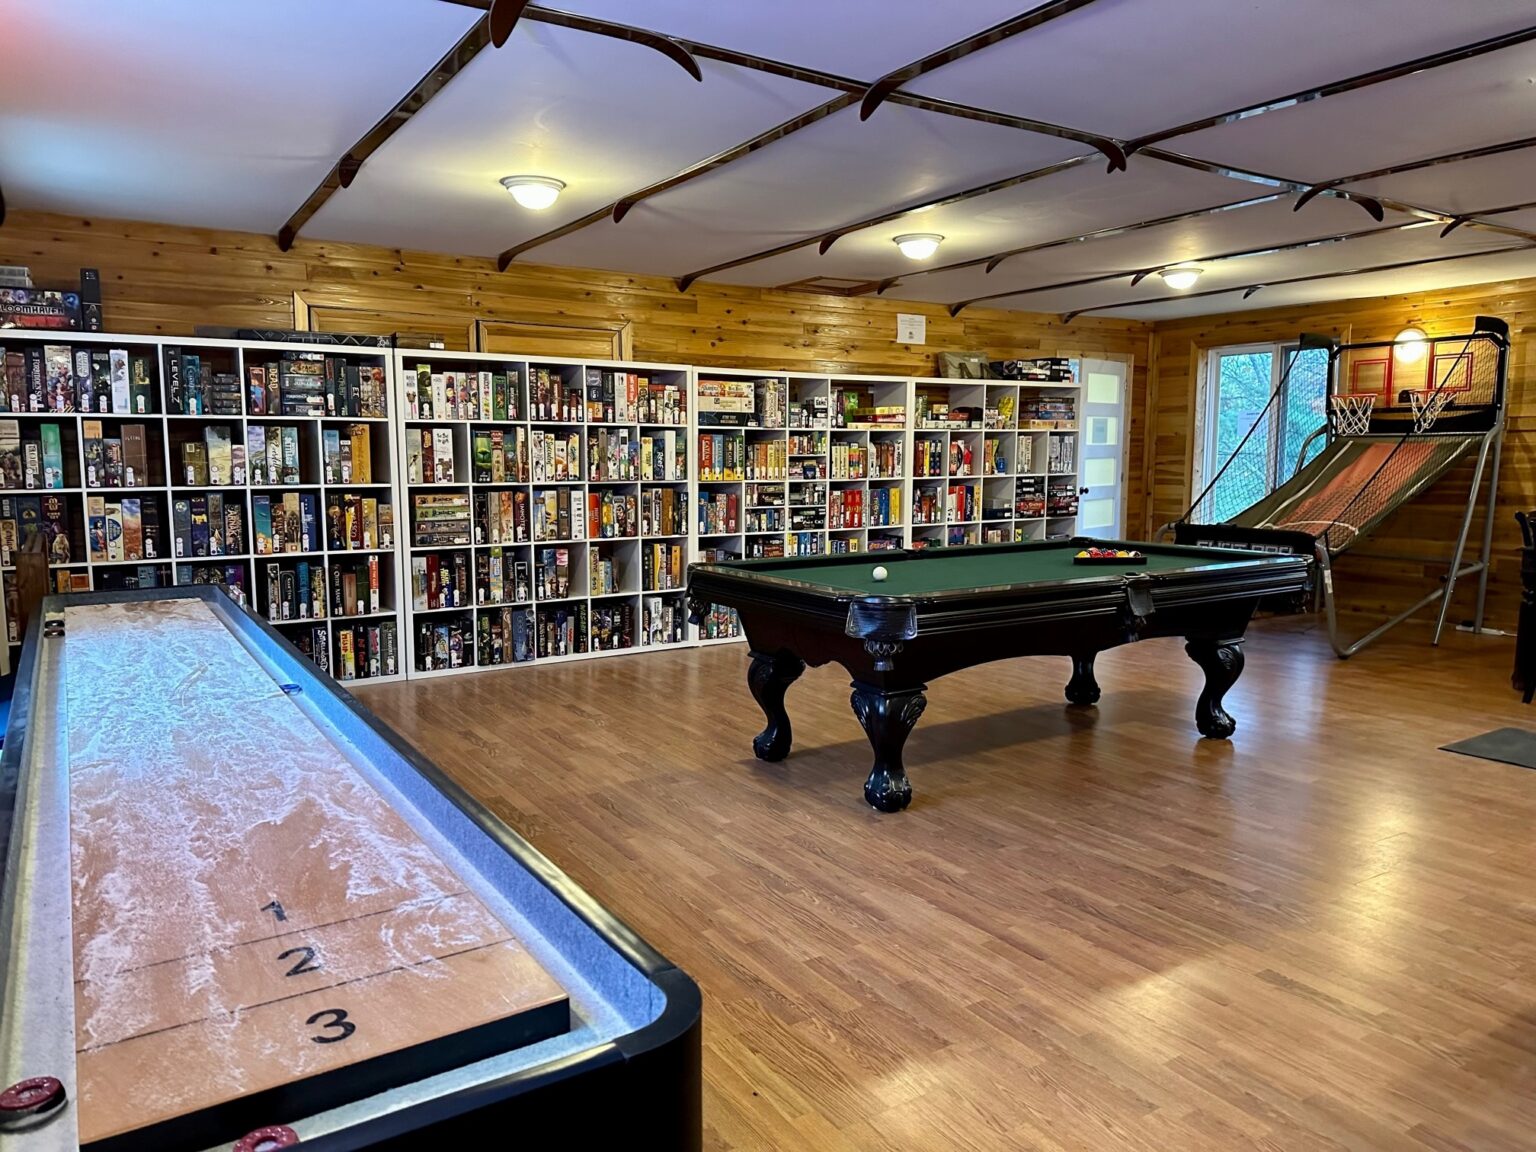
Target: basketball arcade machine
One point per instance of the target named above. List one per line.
(1392, 431)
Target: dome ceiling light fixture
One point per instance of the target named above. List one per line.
(918, 245)
(1181, 276)
(535, 193)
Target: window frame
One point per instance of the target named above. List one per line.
(1208, 424)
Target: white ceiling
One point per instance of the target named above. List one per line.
(196, 113)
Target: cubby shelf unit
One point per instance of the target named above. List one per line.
(805, 482)
(627, 468)
(166, 431)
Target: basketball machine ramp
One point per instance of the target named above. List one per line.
(1377, 457)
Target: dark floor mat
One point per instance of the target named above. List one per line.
(1506, 745)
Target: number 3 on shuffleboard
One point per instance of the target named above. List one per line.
(338, 1020)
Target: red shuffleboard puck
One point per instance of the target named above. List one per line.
(267, 1139)
(29, 1097)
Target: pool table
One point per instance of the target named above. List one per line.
(941, 610)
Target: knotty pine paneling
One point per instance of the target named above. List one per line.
(158, 278)
(1428, 525)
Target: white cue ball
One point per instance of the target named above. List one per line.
(879, 573)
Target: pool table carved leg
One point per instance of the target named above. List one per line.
(1222, 663)
(770, 678)
(1083, 688)
(888, 718)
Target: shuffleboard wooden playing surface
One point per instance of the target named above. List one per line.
(250, 913)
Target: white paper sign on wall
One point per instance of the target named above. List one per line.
(911, 328)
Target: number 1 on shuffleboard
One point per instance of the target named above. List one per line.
(276, 908)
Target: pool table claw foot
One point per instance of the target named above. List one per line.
(887, 718)
(1222, 663)
(1083, 688)
(770, 678)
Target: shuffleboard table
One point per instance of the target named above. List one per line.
(942, 610)
(237, 912)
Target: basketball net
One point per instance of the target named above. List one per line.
(1351, 413)
(1427, 407)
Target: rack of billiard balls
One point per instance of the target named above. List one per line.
(1119, 557)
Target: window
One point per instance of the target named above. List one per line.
(1244, 418)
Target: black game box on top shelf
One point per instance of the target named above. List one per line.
(289, 336)
(1046, 369)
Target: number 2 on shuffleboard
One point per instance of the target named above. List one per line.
(338, 1020)
(307, 961)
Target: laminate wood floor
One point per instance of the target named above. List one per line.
(1092, 930)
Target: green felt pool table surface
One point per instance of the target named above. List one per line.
(946, 570)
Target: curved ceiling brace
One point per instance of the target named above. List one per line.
(1142, 275)
(1024, 22)
(672, 48)
(1249, 289)
(826, 242)
(346, 169)
(1068, 317)
(888, 282)
(504, 16)
(825, 239)
(621, 208)
(1352, 84)
(1452, 226)
(1370, 204)
(1113, 152)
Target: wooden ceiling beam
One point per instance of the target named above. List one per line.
(851, 91)
(825, 240)
(1139, 274)
(881, 89)
(621, 207)
(345, 170)
(1249, 289)
(1415, 166)
(991, 262)
(1338, 87)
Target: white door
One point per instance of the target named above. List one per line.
(1101, 444)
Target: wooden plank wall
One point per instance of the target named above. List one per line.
(1426, 526)
(162, 279)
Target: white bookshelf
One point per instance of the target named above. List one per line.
(992, 456)
(165, 431)
(815, 486)
(648, 598)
